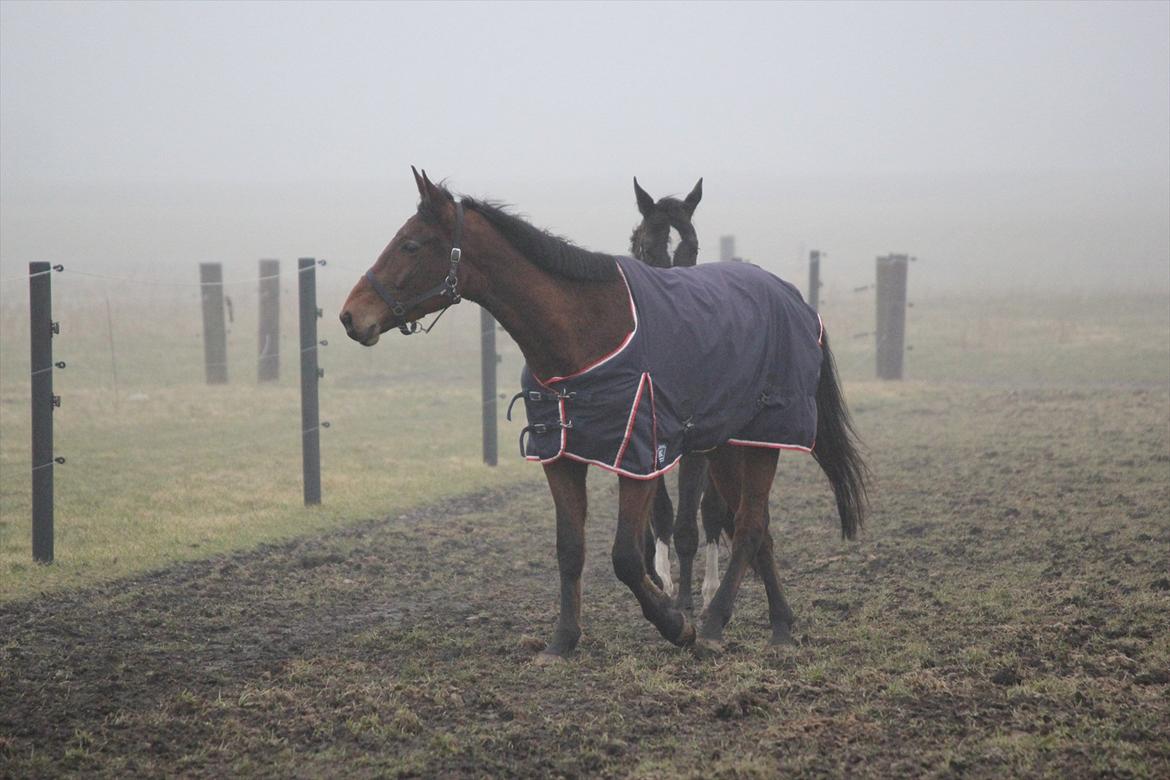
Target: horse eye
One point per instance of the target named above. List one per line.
(410, 246)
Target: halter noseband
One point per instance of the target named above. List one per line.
(448, 288)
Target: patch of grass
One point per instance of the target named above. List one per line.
(167, 468)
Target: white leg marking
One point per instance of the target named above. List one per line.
(711, 575)
(662, 566)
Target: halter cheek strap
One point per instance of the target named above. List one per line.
(448, 288)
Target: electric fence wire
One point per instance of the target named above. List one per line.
(157, 282)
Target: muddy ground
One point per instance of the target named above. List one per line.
(1006, 613)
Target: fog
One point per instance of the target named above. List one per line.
(1008, 146)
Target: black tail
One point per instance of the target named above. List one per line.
(836, 448)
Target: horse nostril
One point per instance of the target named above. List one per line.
(347, 320)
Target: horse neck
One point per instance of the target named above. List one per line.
(561, 325)
(686, 253)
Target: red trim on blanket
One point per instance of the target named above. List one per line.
(625, 343)
(821, 335)
(653, 424)
(768, 444)
(621, 472)
(630, 424)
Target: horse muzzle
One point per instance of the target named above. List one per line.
(367, 336)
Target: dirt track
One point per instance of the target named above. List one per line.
(1007, 612)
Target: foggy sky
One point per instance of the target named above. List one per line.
(1004, 144)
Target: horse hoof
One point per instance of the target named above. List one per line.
(545, 658)
(782, 635)
(708, 648)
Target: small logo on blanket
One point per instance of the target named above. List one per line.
(661, 454)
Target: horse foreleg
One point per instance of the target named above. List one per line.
(566, 482)
(748, 473)
(717, 520)
(692, 475)
(629, 561)
(658, 549)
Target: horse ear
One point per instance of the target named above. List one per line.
(692, 200)
(419, 182)
(645, 202)
(428, 191)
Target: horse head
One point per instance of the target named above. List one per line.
(416, 274)
(650, 241)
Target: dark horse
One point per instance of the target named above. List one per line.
(567, 309)
(650, 243)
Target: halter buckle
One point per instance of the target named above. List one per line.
(456, 254)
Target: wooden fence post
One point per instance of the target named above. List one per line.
(214, 326)
(814, 278)
(268, 369)
(310, 376)
(726, 248)
(891, 315)
(488, 361)
(41, 329)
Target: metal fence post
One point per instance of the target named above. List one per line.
(268, 369)
(41, 329)
(214, 326)
(488, 361)
(814, 278)
(310, 375)
(890, 296)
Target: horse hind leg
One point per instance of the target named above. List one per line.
(750, 476)
(780, 616)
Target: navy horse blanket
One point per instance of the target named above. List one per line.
(720, 353)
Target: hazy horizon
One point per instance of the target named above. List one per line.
(1009, 146)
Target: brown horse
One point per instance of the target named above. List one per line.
(567, 308)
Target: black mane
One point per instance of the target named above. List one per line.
(552, 253)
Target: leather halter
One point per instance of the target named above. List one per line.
(448, 288)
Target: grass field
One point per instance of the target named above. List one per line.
(1005, 613)
(168, 468)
